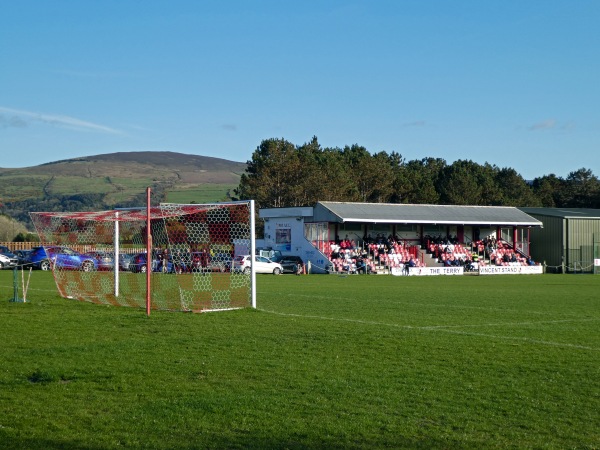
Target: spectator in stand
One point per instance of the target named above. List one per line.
(530, 261)
(348, 243)
(513, 258)
(360, 265)
(343, 245)
(468, 264)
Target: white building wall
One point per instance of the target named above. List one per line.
(286, 234)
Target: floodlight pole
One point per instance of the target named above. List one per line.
(148, 252)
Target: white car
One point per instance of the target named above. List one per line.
(262, 264)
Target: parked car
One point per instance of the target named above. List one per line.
(273, 255)
(7, 258)
(291, 264)
(104, 260)
(138, 264)
(242, 263)
(4, 261)
(203, 262)
(62, 257)
(22, 256)
(124, 261)
(219, 262)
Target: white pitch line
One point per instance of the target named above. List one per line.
(511, 324)
(32, 289)
(523, 339)
(447, 330)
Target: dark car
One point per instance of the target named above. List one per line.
(220, 262)
(159, 264)
(291, 264)
(204, 262)
(22, 256)
(124, 261)
(62, 257)
(104, 260)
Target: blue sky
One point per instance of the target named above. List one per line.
(511, 82)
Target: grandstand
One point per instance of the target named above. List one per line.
(389, 238)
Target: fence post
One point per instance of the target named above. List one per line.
(16, 287)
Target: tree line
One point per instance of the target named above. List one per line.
(281, 174)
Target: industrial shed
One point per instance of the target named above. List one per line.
(569, 241)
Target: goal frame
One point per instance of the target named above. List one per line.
(229, 217)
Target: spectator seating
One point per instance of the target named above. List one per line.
(378, 257)
(505, 255)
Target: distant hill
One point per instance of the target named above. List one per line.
(116, 180)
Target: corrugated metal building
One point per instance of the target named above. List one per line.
(569, 240)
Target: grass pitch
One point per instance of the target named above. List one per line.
(355, 362)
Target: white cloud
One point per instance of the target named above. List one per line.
(552, 124)
(19, 118)
(544, 125)
(416, 123)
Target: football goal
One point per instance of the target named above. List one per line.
(170, 257)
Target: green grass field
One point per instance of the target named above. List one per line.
(207, 193)
(327, 362)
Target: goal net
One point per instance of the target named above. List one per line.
(169, 257)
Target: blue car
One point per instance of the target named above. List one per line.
(61, 257)
(159, 264)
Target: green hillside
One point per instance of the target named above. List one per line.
(116, 180)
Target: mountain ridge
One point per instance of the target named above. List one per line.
(116, 179)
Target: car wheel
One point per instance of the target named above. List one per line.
(143, 269)
(276, 271)
(1, 266)
(87, 266)
(247, 270)
(45, 265)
